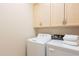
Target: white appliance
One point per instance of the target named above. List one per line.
(58, 48)
(37, 46)
(71, 39)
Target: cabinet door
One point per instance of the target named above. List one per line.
(57, 14)
(42, 15)
(72, 14)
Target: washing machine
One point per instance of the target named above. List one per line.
(37, 46)
(58, 48)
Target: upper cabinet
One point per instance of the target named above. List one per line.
(72, 14)
(41, 15)
(57, 14)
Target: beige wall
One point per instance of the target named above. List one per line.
(59, 30)
(15, 28)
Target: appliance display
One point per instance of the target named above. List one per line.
(57, 37)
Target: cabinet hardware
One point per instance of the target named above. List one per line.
(64, 22)
(40, 24)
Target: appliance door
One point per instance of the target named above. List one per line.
(35, 49)
(58, 51)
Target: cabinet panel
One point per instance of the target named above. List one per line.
(42, 15)
(57, 14)
(72, 14)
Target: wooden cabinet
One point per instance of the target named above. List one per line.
(72, 14)
(57, 14)
(42, 15)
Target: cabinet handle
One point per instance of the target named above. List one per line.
(64, 22)
(40, 24)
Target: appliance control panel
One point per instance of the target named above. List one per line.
(57, 37)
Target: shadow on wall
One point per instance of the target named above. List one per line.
(58, 30)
